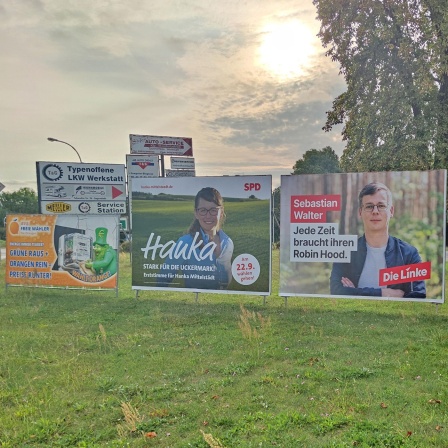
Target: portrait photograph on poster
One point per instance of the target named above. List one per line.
(202, 234)
(62, 251)
(364, 235)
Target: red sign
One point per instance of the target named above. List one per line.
(405, 274)
(116, 192)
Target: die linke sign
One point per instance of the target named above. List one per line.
(156, 145)
(81, 188)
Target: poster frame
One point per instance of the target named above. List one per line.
(302, 185)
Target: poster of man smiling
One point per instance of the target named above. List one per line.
(208, 234)
(364, 235)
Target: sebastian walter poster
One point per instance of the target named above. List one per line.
(364, 235)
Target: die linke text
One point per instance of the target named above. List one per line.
(405, 274)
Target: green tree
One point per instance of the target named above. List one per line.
(23, 200)
(393, 55)
(316, 161)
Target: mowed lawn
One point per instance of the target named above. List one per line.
(89, 369)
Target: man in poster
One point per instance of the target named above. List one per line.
(376, 250)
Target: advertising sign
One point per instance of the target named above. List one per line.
(156, 145)
(62, 251)
(142, 166)
(83, 207)
(209, 234)
(180, 173)
(182, 163)
(364, 235)
(86, 188)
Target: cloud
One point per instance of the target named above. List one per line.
(91, 73)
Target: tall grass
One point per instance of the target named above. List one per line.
(88, 369)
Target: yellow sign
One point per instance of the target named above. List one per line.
(51, 250)
(58, 207)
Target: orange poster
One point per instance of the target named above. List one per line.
(64, 251)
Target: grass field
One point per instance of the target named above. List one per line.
(89, 369)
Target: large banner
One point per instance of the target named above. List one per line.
(62, 251)
(364, 235)
(202, 234)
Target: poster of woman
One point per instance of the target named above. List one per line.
(202, 234)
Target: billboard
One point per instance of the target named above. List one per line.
(209, 234)
(81, 188)
(62, 251)
(156, 145)
(364, 235)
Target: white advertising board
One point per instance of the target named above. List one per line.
(142, 166)
(87, 188)
(180, 173)
(182, 163)
(155, 145)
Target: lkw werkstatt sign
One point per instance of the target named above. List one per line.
(81, 188)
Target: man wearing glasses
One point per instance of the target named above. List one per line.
(376, 250)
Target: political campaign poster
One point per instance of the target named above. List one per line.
(62, 251)
(209, 234)
(364, 235)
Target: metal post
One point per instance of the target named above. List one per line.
(50, 139)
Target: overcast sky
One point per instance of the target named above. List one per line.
(247, 80)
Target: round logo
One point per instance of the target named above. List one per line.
(52, 172)
(84, 207)
(245, 269)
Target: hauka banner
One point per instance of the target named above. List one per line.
(202, 234)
